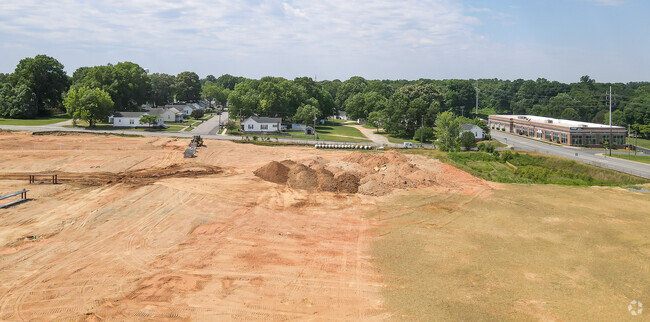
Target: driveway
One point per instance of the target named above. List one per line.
(590, 156)
(210, 126)
(374, 137)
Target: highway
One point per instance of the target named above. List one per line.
(589, 156)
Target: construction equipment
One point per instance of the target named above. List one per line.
(198, 140)
(189, 153)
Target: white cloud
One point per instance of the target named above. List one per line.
(613, 3)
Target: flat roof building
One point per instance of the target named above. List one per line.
(568, 132)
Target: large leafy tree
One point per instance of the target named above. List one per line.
(447, 131)
(17, 101)
(212, 91)
(187, 87)
(306, 114)
(46, 79)
(126, 83)
(460, 96)
(89, 104)
(162, 88)
(228, 81)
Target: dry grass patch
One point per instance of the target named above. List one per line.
(524, 252)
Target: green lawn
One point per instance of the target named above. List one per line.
(644, 143)
(338, 129)
(637, 158)
(508, 167)
(33, 122)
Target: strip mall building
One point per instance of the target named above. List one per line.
(566, 132)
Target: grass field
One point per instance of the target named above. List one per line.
(644, 143)
(637, 158)
(338, 129)
(33, 122)
(511, 255)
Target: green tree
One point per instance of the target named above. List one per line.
(17, 102)
(447, 131)
(468, 140)
(89, 104)
(149, 119)
(212, 91)
(45, 78)
(306, 114)
(228, 81)
(424, 134)
(126, 83)
(376, 119)
(162, 88)
(187, 87)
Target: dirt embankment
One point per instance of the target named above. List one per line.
(365, 173)
(141, 177)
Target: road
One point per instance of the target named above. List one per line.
(211, 126)
(189, 134)
(374, 137)
(589, 156)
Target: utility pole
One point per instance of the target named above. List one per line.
(477, 97)
(611, 137)
(422, 130)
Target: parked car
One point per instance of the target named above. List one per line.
(408, 145)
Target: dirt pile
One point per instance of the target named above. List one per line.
(274, 172)
(373, 174)
(313, 177)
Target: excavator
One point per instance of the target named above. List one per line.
(198, 140)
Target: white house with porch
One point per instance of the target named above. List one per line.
(260, 124)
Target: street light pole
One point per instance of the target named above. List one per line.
(611, 137)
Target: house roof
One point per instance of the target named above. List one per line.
(156, 111)
(469, 127)
(262, 119)
(129, 114)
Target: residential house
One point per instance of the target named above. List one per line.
(478, 132)
(168, 114)
(132, 119)
(261, 124)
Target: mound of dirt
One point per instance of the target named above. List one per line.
(373, 174)
(326, 181)
(372, 160)
(347, 182)
(274, 172)
(302, 177)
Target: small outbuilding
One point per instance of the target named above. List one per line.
(309, 130)
(478, 132)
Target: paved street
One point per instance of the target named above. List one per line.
(589, 156)
(211, 126)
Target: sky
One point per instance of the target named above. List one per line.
(336, 39)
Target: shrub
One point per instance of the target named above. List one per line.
(506, 156)
(468, 141)
(427, 134)
(231, 126)
(495, 153)
(489, 148)
(197, 114)
(254, 137)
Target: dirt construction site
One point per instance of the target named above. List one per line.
(135, 231)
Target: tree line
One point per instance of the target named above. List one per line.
(38, 86)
